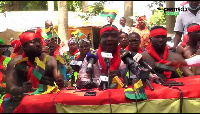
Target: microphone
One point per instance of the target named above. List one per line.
(103, 81)
(92, 58)
(134, 67)
(127, 58)
(117, 83)
(75, 65)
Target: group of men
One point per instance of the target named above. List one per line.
(31, 47)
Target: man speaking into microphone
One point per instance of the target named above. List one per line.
(109, 43)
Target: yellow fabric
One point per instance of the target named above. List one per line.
(40, 63)
(106, 10)
(59, 59)
(147, 106)
(24, 59)
(138, 85)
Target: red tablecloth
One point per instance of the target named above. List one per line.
(46, 103)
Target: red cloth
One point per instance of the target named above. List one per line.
(155, 55)
(30, 76)
(39, 33)
(15, 44)
(27, 36)
(139, 49)
(56, 52)
(185, 40)
(1, 75)
(43, 103)
(115, 62)
(2, 104)
(73, 53)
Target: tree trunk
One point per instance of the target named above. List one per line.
(6, 7)
(170, 19)
(16, 5)
(84, 6)
(63, 20)
(50, 5)
(128, 11)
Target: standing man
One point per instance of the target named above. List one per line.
(192, 15)
(122, 26)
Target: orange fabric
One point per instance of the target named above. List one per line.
(13, 55)
(155, 55)
(115, 62)
(144, 34)
(139, 49)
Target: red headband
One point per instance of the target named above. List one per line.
(159, 31)
(108, 28)
(15, 44)
(193, 28)
(27, 36)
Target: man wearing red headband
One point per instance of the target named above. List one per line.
(157, 52)
(190, 48)
(109, 43)
(192, 15)
(21, 81)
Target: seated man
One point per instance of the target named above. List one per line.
(109, 35)
(123, 42)
(157, 52)
(21, 80)
(134, 43)
(191, 47)
(84, 48)
(134, 48)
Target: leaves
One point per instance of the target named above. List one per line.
(158, 18)
(93, 10)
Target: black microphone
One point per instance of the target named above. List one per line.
(135, 68)
(103, 81)
(92, 58)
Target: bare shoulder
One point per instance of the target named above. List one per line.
(180, 49)
(14, 60)
(174, 56)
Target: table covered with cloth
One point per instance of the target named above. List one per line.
(162, 100)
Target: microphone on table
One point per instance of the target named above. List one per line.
(138, 58)
(92, 58)
(103, 81)
(135, 68)
(75, 65)
(117, 83)
(107, 58)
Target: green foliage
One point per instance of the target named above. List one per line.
(158, 18)
(93, 10)
(40, 5)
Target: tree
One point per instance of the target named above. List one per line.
(128, 11)
(36, 6)
(158, 18)
(63, 20)
(93, 10)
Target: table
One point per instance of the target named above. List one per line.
(162, 100)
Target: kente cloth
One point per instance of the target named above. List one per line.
(15, 44)
(151, 51)
(73, 53)
(144, 34)
(185, 40)
(139, 49)
(30, 76)
(115, 61)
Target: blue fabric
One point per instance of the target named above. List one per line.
(6, 101)
(64, 72)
